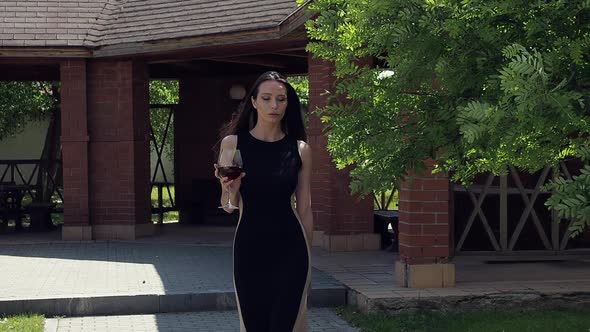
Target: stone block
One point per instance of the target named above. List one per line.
(327, 297)
(318, 238)
(371, 241)
(431, 275)
(76, 233)
(351, 242)
(144, 230)
(448, 272)
(355, 242)
(400, 271)
(114, 232)
(337, 242)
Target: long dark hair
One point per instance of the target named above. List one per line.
(246, 117)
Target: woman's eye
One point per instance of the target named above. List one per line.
(282, 100)
(265, 98)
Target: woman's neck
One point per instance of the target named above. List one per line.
(269, 133)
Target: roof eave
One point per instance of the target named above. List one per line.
(295, 19)
(177, 44)
(46, 52)
(275, 32)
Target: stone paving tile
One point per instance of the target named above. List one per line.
(320, 320)
(448, 292)
(48, 270)
(163, 266)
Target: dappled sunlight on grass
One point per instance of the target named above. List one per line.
(566, 320)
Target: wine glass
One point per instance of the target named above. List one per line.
(230, 166)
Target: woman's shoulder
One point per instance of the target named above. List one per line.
(304, 149)
(229, 142)
(302, 144)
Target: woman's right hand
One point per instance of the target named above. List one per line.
(232, 186)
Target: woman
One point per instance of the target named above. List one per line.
(272, 266)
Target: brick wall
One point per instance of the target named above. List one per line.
(424, 218)
(74, 140)
(335, 210)
(119, 167)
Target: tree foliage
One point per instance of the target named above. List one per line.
(163, 92)
(21, 102)
(301, 86)
(475, 85)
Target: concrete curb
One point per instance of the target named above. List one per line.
(151, 303)
(506, 300)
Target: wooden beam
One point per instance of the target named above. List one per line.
(504, 212)
(529, 204)
(45, 52)
(301, 56)
(260, 60)
(29, 73)
(190, 44)
(208, 52)
(208, 68)
(476, 211)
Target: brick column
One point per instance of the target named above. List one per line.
(342, 222)
(119, 164)
(74, 142)
(424, 239)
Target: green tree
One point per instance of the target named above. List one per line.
(21, 102)
(301, 86)
(475, 85)
(163, 92)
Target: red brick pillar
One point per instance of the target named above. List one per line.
(119, 151)
(74, 141)
(424, 239)
(342, 222)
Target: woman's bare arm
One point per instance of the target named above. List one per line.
(303, 192)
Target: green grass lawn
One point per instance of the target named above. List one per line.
(165, 196)
(168, 216)
(22, 323)
(514, 321)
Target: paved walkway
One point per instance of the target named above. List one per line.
(320, 320)
(481, 282)
(189, 269)
(36, 271)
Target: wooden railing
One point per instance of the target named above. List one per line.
(30, 173)
(503, 206)
(161, 207)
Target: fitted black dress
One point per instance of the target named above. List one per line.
(271, 257)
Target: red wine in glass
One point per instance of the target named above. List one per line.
(230, 167)
(231, 172)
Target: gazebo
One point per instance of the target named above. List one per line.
(104, 53)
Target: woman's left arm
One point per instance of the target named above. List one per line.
(303, 192)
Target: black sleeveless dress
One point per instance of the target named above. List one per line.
(271, 257)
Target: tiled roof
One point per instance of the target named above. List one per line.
(48, 23)
(95, 23)
(142, 20)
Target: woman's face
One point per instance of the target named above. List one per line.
(271, 102)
